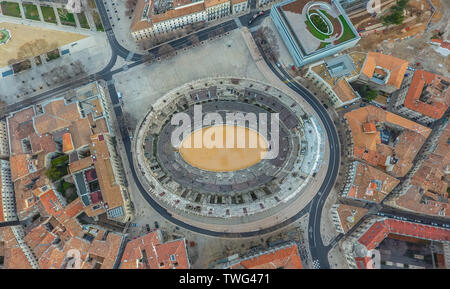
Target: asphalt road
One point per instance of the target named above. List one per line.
(318, 250)
(205, 34)
(116, 47)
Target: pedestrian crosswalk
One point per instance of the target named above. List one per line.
(316, 264)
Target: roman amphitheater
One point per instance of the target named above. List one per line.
(230, 189)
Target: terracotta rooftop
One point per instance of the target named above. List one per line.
(79, 165)
(111, 192)
(177, 13)
(283, 258)
(139, 22)
(52, 258)
(369, 146)
(431, 181)
(371, 184)
(103, 253)
(344, 91)
(169, 255)
(395, 66)
(350, 215)
(380, 230)
(424, 82)
(39, 239)
(21, 128)
(67, 142)
(57, 115)
(443, 44)
(14, 257)
(50, 202)
(80, 131)
(211, 3)
(25, 199)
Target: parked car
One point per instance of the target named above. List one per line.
(156, 225)
(147, 226)
(255, 16)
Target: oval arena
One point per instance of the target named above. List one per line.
(229, 189)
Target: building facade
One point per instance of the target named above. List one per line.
(304, 46)
(238, 6)
(423, 96)
(151, 19)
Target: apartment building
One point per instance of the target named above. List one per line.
(238, 6)
(423, 97)
(385, 140)
(359, 246)
(383, 72)
(8, 202)
(333, 77)
(152, 252)
(345, 217)
(156, 17)
(282, 256)
(77, 132)
(4, 147)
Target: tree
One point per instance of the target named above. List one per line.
(166, 50)
(367, 93)
(396, 15)
(194, 39)
(267, 39)
(58, 168)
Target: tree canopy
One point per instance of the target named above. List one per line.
(396, 16)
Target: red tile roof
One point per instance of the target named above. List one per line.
(67, 142)
(286, 258)
(395, 66)
(51, 203)
(431, 83)
(170, 255)
(380, 230)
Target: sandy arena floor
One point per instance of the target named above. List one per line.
(27, 41)
(223, 148)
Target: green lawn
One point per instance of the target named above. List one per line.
(49, 14)
(58, 168)
(11, 9)
(4, 35)
(98, 21)
(31, 11)
(348, 33)
(316, 33)
(323, 45)
(66, 17)
(83, 20)
(54, 54)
